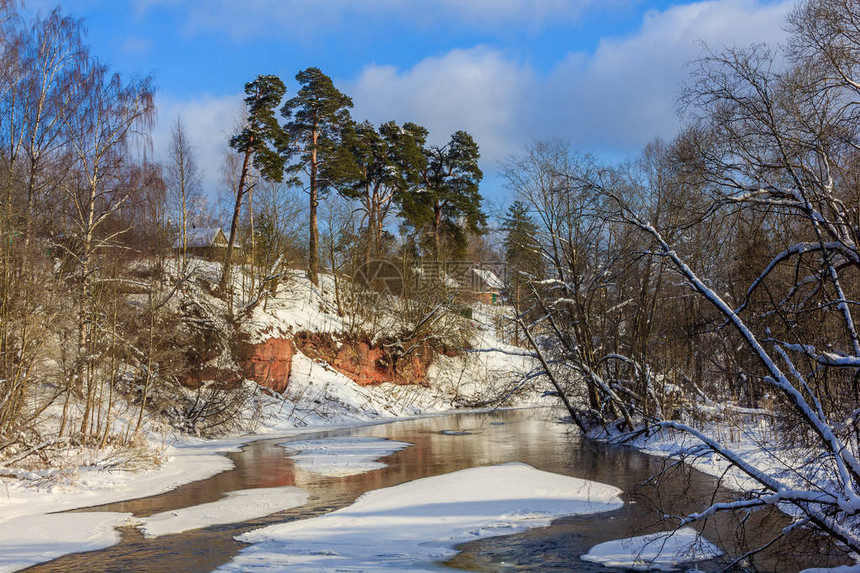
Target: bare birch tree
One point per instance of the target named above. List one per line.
(184, 183)
(107, 114)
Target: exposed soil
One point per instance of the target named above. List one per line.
(367, 363)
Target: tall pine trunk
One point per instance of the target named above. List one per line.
(314, 238)
(234, 226)
(437, 229)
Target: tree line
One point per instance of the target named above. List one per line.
(319, 147)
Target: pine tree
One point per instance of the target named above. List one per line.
(522, 257)
(376, 167)
(316, 119)
(259, 141)
(447, 200)
(522, 251)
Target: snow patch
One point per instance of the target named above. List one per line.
(417, 523)
(343, 456)
(88, 486)
(29, 534)
(235, 507)
(655, 551)
(32, 539)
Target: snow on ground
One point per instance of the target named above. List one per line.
(344, 456)
(54, 490)
(29, 534)
(319, 396)
(298, 306)
(842, 569)
(412, 525)
(654, 552)
(466, 380)
(752, 439)
(235, 507)
(478, 376)
(31, 539)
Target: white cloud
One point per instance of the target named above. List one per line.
(616, 99)
(624, 94)
(484, 13)
(137, 46)
(613, 100)
(477, 90)
(209, 122)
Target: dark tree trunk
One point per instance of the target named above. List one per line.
(234, 224)
(314, 235)
(437, 229)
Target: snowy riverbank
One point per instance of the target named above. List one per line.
(493, 509)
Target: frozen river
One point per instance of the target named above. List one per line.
(445, 444)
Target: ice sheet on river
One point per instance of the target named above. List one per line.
(342, 456)
(413, 525)
(234, 507)
(663, 551)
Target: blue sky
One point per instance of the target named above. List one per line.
(601, 74)
(188, 48)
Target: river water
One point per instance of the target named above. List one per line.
(448, 443)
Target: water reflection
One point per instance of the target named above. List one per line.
(444, 444)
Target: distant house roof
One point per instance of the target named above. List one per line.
(490, 279)
(432, 272)
(475, 279)
(205, 237)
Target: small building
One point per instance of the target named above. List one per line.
(205, 242)
(471, 281)
(486, 285)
